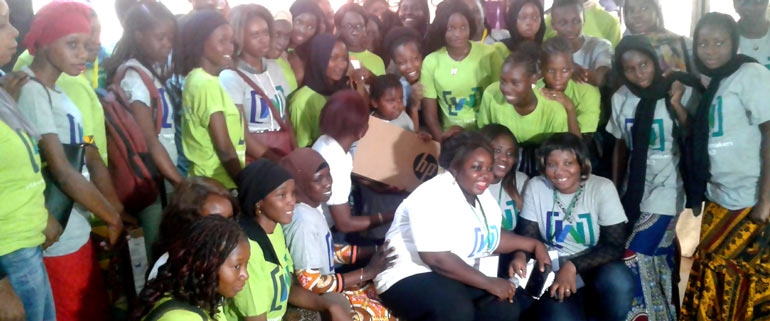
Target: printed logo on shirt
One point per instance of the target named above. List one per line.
(509, 216)
(32, 150)
(281, 282)
(330, 250)
(657, 134)
(716, 120)
(455, 104)
(581, 231)
(484, 243)
(262, 115)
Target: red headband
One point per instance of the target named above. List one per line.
(56, 20)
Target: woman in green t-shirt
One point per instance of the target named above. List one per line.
(213, 128)
(266, 194)
(455, 74)
(205, 268)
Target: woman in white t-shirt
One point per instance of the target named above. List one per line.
(252, 27)
(144, 48)
(580, 216)
(440, 233)
(754, 28)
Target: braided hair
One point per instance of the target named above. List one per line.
(191, 274)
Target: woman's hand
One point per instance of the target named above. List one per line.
(501, 288)
(425, 137)
(759, 213)
(676, 92)
(418, 92)
(454, 130)
(381, 260)
(12, 82)
(52, 232)
(541, 256)
(558, 96)
(581, 75)
(518, 266)
(338, 313)
(564, 286)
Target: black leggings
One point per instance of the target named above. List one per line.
(429, 296)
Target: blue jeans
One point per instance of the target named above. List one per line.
(29, 280)
(607, 296)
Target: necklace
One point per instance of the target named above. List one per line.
(568, 209)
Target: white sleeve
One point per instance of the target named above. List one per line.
(530, 209)
(609, 209)
(755, 94)
(233, 85)
(304, 244)
(341, 185)
(35, 105)
(428, 222)
(612, 125)
(135, 89)
(603, 54)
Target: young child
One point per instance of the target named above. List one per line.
(592, 55)
(456, 72)
(754, 28)
(653, 195)
(557, 68)
(351, 21)
(213, 128)
(729, 162)
(387, 101)
(403, 45)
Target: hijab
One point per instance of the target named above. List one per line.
(315, 71)
(303, 164)
(644, 116)
(255, 182)
(696, 154)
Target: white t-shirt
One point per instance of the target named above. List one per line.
(739, 106)
(758, 49)
(663, 189)
(155, 267)
(64, 120)
(309, 240)
(599, 205)
(595, 53)
(135, 89)
(437, 218)
(255, 107)
(507, 205)
(340, 168)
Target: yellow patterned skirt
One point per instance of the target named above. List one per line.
(730, 277)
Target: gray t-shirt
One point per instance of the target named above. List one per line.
(57, 116)
(663, 190)
(309, 240)
(595, 53)
(598, 205)
(255, 108)
(758, 49)
(739, 107)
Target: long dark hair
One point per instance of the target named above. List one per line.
(437, 30)
(510, 22)
(191, 274)
(141, 17)
(493, 131)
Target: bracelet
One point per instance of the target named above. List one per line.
(361, 278)
(379, 217)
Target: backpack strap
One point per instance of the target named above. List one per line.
(155, 98)
(172, 305)
(259, 91)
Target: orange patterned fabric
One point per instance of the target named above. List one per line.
(364, 300)
(345, 254)
(730, 278)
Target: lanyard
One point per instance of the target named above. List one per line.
(500, 199)
(567, 211)
(485, 223)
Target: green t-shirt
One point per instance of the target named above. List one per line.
(79, 90)
(458, 86)
(183, 315)
(502, 50)
(598, 23)
(548, 117)
(267, 289)
(202, 97)
(370, 61)
(305, 107)
(23, 215)
(288, 73)
(586, 99)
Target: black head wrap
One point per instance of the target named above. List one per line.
(644, 116)
(255, 182)
(696, 153)
(315, 70)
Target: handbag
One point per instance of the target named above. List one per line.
(277, 141)
(58, 203)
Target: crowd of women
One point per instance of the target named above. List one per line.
(565, 146)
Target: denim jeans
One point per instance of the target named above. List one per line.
(29, 280)
(607, 296)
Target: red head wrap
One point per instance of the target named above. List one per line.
(56, 20)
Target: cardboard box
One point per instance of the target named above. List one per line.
(396, 157)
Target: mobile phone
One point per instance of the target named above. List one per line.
(537, 281)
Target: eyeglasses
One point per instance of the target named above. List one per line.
(358, 27)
